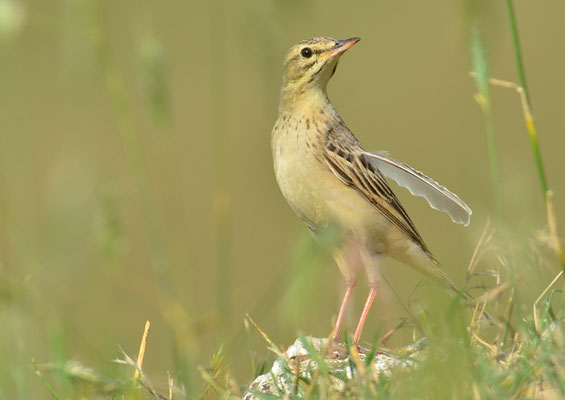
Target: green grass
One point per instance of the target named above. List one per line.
(456, 365)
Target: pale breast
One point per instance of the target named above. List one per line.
(312, 189)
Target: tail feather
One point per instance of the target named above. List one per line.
(441, 278)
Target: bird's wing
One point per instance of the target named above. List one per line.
(350, 163)
(419, 184)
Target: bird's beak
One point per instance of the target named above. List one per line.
(342, 46)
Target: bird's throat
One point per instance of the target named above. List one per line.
(296, 98)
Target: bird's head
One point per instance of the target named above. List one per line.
(310, 64)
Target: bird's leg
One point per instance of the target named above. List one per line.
(373, 290)
(348, 261)
(370, 262)
(349, 291)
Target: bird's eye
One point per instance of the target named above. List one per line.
(306, 52)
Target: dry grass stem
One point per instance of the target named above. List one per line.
(556, 243)
(142, 347)
(142, 378)
(529, 120)
(485, 238)
(492, 293)
(276, 349)
(541, 296)
(383, 339)
(171, 383)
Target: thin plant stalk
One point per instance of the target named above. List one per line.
(532, 131)
(480, 68)
(528, 116)
(556, 243)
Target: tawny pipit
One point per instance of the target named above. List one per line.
(329, 179)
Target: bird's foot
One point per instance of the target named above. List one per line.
(340, 351)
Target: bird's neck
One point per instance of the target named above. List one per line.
(298, 100)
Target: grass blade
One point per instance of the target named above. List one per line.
(480, 68)
(522, 77)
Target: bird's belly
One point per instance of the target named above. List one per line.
(321, 199)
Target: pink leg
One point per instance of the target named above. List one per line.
(348, 261)
(374, 289)
(344, 303)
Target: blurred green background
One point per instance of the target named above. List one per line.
(136, 179)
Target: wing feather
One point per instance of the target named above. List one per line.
(418, 184)
(349, 162)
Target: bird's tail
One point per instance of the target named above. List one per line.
(438, 276)
(422, 261)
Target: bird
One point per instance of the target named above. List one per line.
(329, 180)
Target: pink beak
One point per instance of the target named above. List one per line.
(343, 45)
